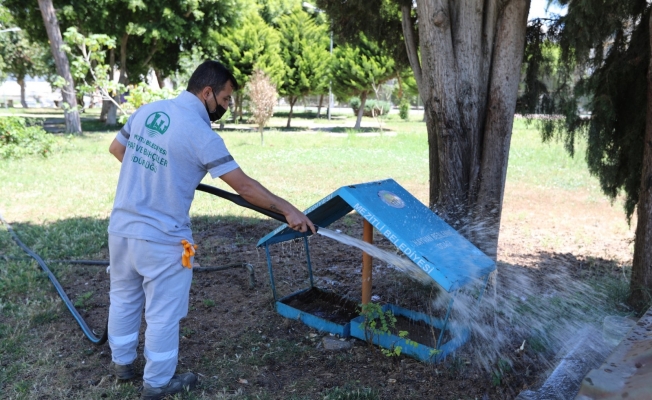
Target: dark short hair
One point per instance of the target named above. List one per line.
(211, 73)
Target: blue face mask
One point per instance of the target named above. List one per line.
(217, 113)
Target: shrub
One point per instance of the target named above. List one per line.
(378, 107)
(404, 109)
(262, 96)
(20, 137)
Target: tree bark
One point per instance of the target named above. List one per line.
(71, 114)
(363, 100)
(321, 101)
(641, 280)
(21, 83)
(112, 117)
(293, 99)
(106, 104)
(160, 78)
(471, 53)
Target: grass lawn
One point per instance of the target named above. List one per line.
(60, 205)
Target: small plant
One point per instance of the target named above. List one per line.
(498, 374)
(209, 303)
(377, 322)
(82, 299)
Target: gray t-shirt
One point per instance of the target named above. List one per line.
(170, 147)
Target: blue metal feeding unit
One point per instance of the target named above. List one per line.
(447, 258)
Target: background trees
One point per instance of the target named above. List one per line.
(602, 88)
(305, 54)
(356, 69)
(466, 59)
(252, 45)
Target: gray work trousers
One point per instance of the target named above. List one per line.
(144, 273)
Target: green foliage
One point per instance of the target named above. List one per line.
(376, 322)
(20, 57)
(372, 108)
(378, 20)
(82, 300)
(253, 45)
(404, 109)
(357, 68)
(603, 61)
(19, 138)
(305, 53)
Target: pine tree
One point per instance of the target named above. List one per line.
(357, 68)
(305, 54)
(604, 71)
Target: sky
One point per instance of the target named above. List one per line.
(538, 9)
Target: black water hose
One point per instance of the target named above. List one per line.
(237, 199)
(84, 326)
(82, 323)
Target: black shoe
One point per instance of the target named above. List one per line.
(177, 384)
(124, 372)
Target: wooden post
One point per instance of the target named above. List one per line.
(367, 236)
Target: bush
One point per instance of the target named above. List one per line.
(404, 109)
(20, 137)
(378, 107)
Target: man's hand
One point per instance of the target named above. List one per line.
(255, 193)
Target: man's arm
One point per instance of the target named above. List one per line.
(117, 149)
(255, 193)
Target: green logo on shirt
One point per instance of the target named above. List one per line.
(157, 123)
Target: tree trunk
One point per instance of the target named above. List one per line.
(641, 280)
(469, 71)
(112, 117)
(262, 141)
(160, 78)
(293, 99)
(21, 82)
(321, 101)
(363, 100)
(71, 114)
(106, 104)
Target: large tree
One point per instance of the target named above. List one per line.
(358, 68)
(150, 35)
(605, 72)
(68, 95)
(305, 53)
(20, 57)
(466, 58)
(250, 46)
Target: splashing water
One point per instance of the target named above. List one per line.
(403, 264)
(525, 311)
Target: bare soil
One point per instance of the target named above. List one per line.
(240, 345)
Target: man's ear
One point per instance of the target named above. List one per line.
(206, 93)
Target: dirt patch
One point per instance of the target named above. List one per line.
(239, 345)
(325, 305)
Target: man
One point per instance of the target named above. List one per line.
(166, 148)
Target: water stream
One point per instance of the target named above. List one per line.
(403, 264)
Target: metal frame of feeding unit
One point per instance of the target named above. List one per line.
(440, 252)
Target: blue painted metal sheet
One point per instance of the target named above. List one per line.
(438, 249)
(321, 324)
(459, 336)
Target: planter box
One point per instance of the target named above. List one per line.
(319, 309)
(427, 353)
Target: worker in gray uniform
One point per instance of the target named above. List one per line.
(166, 148)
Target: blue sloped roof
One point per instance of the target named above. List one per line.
(438, 249)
